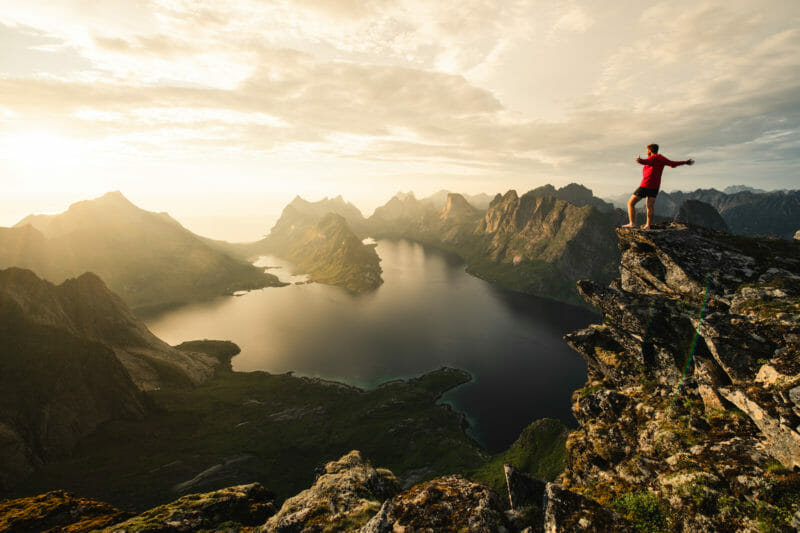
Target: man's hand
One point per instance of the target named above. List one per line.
(690, 162)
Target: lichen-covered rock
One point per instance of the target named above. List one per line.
(57, 511)
(691, 414)
(343, 498)
(229, 508)
(450, 503)
(567, 511)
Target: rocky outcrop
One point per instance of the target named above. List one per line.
(57, 512)
(688, 420)
(450, 503)
(343, 498)
(147, 258)
(229, 509)
(697, 213)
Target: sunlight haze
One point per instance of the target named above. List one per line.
(230, 109)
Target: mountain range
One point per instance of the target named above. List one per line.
(745, 210)
(147, 258)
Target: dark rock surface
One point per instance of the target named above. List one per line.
(450, 503)
(697, 213)
(57, 511)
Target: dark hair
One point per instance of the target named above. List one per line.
(653, 148)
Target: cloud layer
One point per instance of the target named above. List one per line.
(508, 94)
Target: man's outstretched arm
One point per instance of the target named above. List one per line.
(674, 164)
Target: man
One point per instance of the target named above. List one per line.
(651, 181)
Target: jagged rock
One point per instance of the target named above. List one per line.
(344, 497)
(697, 213)
(567, 511)
(57, 511)
(232, 507)
(784, 440)
(450, 503)
(693, 383)
(523, 489)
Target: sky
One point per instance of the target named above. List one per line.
(209, 108)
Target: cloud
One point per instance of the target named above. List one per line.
(396, 80)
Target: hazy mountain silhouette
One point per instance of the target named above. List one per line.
(148, 258)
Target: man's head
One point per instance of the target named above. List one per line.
(652, 149)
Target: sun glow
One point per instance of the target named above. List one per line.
(40, 150)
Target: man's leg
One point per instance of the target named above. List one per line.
(632, 211)
(651, 211)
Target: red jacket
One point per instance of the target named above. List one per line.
(653, 167)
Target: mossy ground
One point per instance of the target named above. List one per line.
(274, 429)
(540, 450)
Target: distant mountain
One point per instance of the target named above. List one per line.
(575, 194)
(73, 356)
(746, 211)
(733, 189)
(697, 213)
(773, 214)
(148, 258)
(540, 243)
(300, 212)
(320, 239)
(395, 217)
(332, 254)
(438, 199)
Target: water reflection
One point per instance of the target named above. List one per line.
(427, 314)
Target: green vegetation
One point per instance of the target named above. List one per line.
(330, 253)
(222, 350)
(540, 450)
(274, 429)
(645, 510)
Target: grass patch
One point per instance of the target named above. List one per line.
(540, 450)
(645, 510)
(273, 429)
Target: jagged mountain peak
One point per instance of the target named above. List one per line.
(456, 207)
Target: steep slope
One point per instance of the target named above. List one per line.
(397, 215)
(148, 258)
(86, 309)
(689, 420)
(541, 244)
(332, 254)
(319, 239)
(300, 213)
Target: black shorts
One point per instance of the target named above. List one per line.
(642, 192)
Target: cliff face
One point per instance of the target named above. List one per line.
(692, 408)
(147, 258)
(542, 244)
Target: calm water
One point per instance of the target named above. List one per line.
(427, 314)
